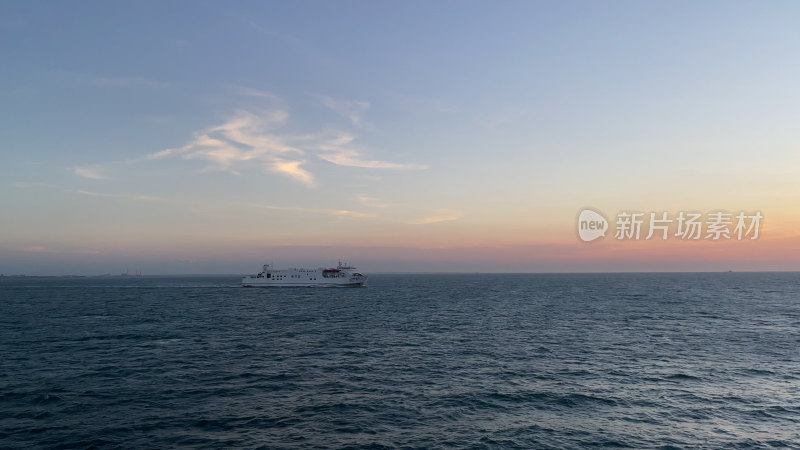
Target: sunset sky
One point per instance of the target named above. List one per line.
(212, 137)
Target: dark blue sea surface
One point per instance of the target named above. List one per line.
(422, 361)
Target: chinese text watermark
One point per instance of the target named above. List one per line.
(715, 225)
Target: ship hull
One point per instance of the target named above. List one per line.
(259, 283)
(276, 285)
(342, 276)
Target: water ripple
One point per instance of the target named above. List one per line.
(425, 361)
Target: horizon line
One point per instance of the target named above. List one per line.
(22, 275)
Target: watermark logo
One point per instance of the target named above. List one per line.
(687, 226)
(591, 225)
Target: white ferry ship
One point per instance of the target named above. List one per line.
(343, 275)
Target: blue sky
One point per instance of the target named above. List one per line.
(207, 136)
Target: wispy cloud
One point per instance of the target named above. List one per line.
(293, 170)
(146, 198)
(433, 219)
(253, 139)
(352, 110)
(244, 141)
(350, 214)
(340, 150)
(252, 92)
(346, 213)
(92, 172)
(352, 158)
(137, 197)
(371, 202)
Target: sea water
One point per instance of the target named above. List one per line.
(411, 361)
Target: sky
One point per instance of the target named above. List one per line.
(212, 137)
